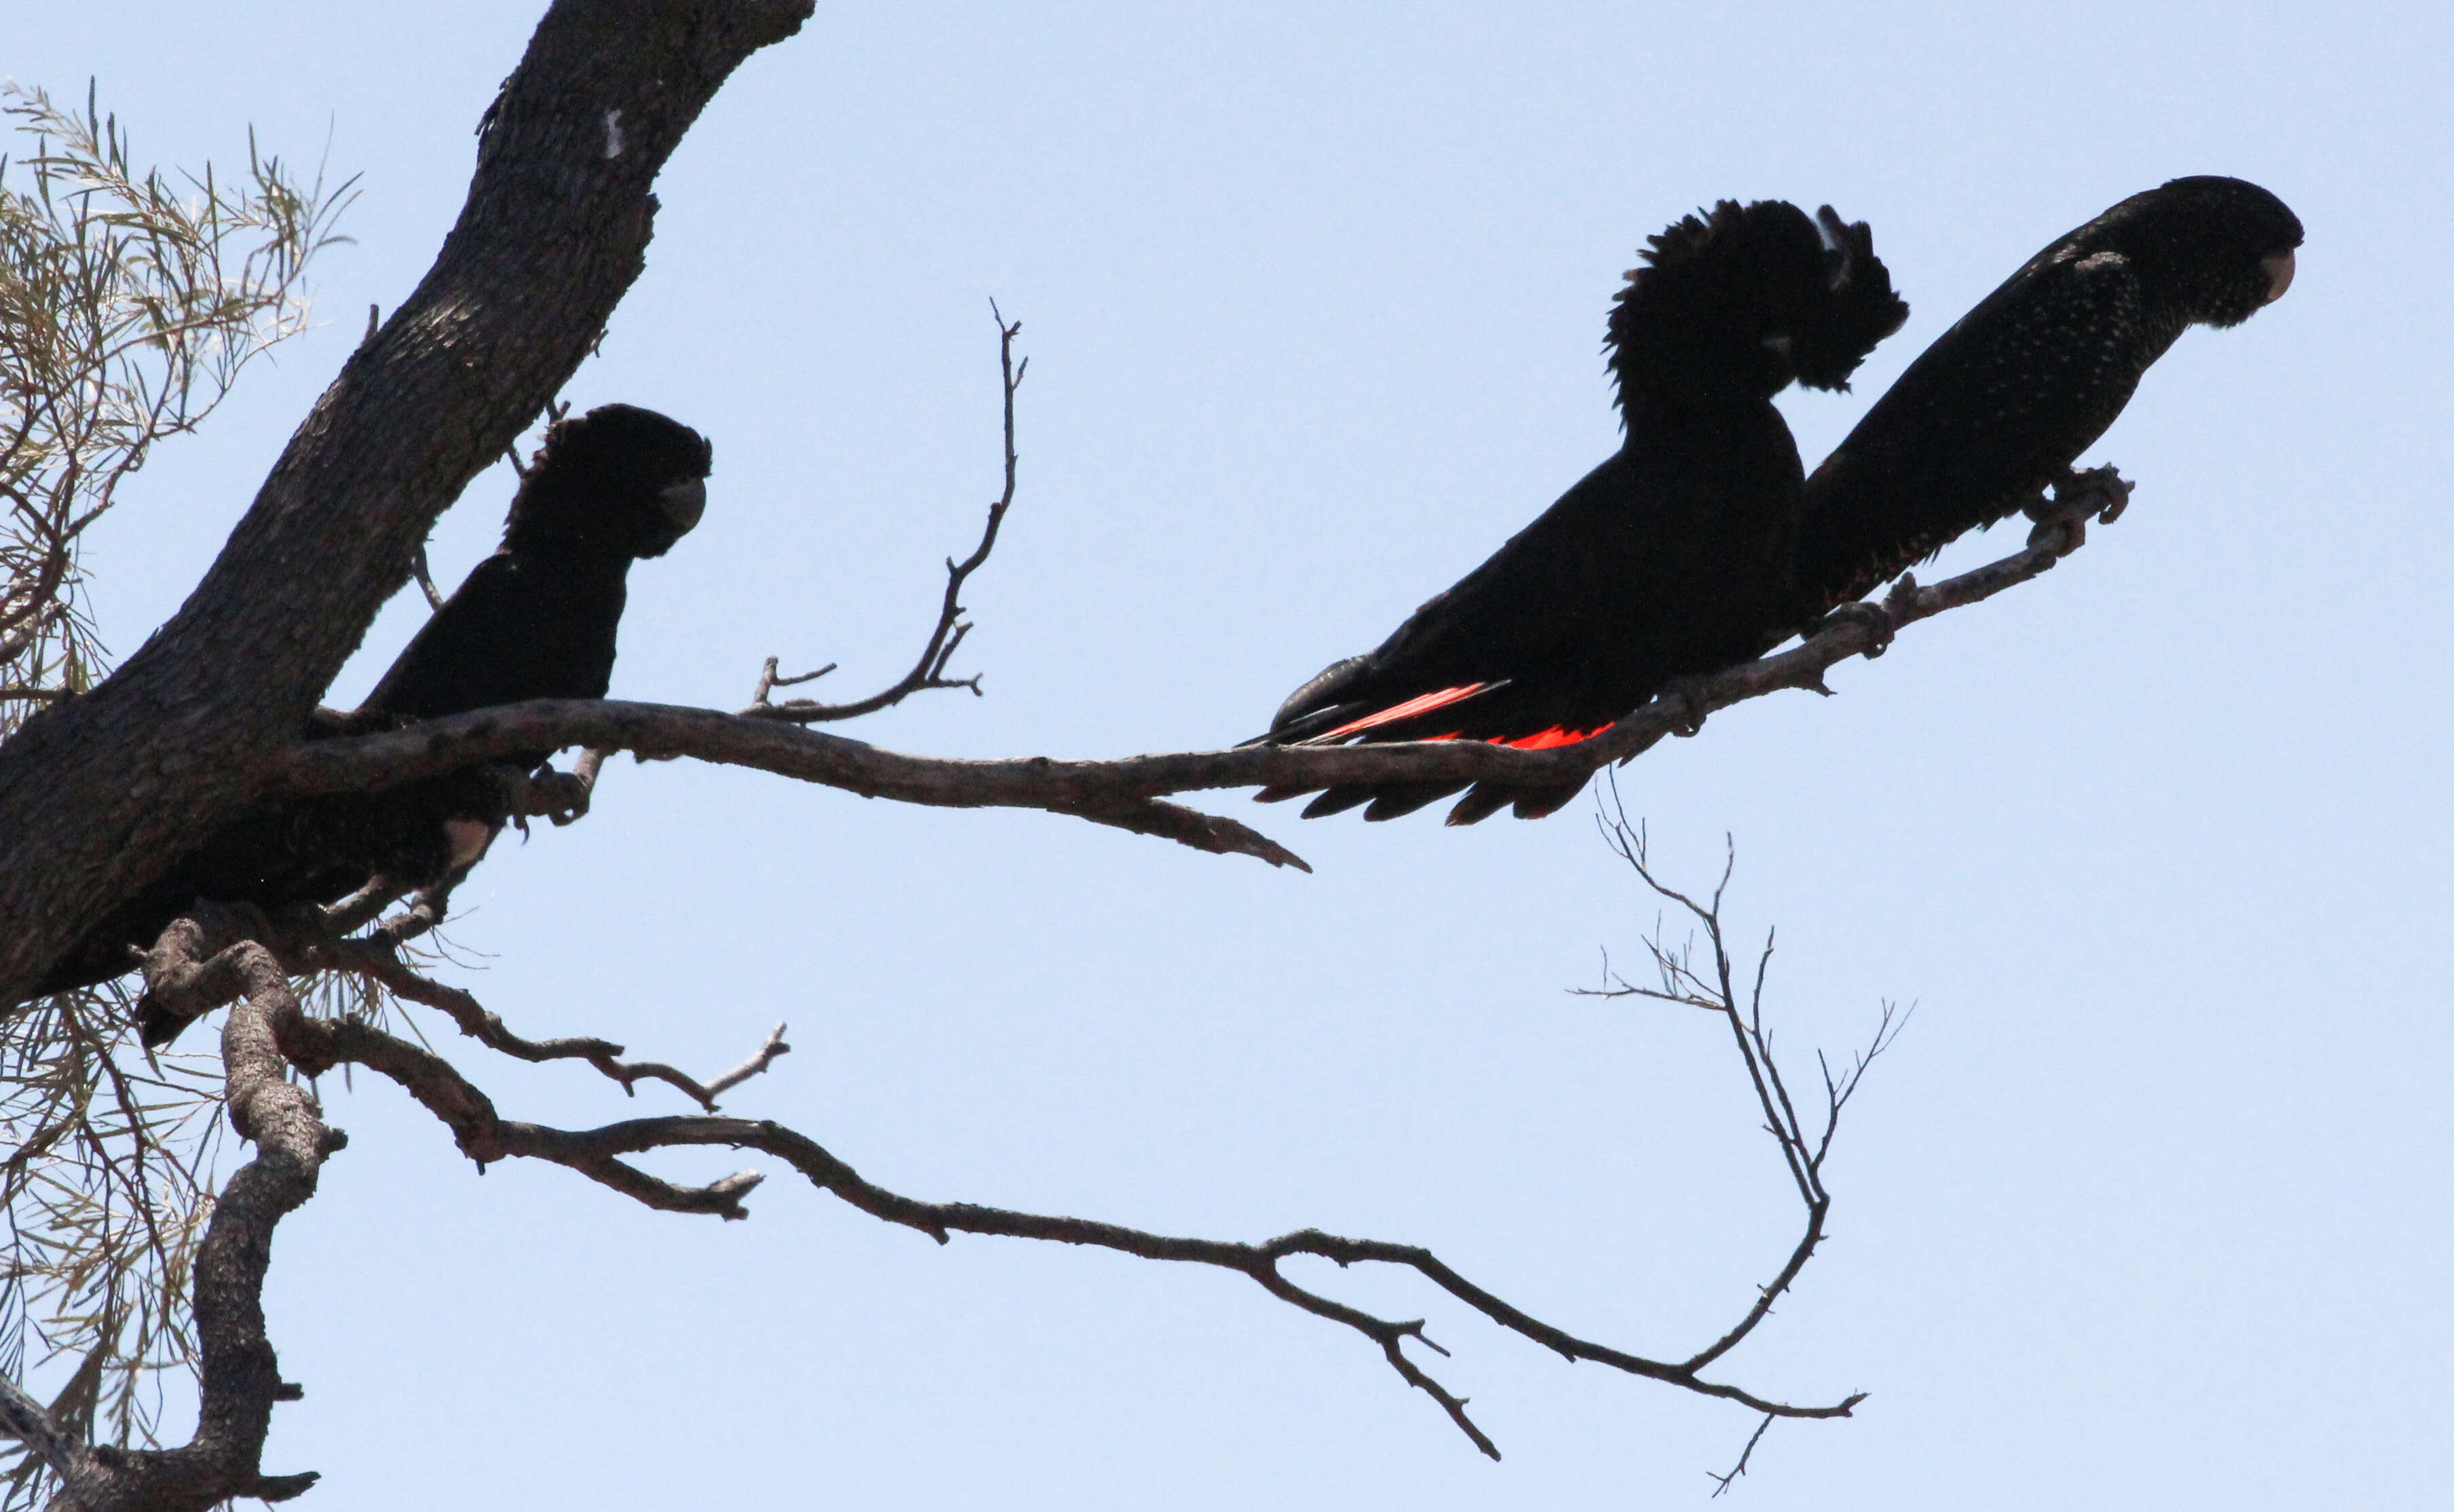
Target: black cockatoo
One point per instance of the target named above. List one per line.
(1672, 558)
(535, 620)
(2006, 398)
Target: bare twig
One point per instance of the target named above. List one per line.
(770, 680)
(759, 1060)
(379, 960)
(24, 1418)
(1712, 984)
(303, 942)
(946, 638)
(1122, 791)
(1722, 1483)
(596, 1153)
(426, 578)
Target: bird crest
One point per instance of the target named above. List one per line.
(1735, 302)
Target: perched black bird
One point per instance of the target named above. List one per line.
(2002, 404)
(1672, 558)
(535, 620)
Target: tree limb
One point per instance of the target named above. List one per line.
(1122, 791)
(99, 793)
(947, 637)
(210, 959)
(595, 1153)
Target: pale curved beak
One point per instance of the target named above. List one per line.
(1835, 231)
(683, 503)
(2279, 274)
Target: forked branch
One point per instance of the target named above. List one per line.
(1710, 983)
(946, 638)
(1125, 791)
(596, 1153)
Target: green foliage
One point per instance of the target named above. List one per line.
(129, 305)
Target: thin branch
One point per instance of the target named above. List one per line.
(1122, 791)
(1722, 1483)
(304, 940)
(769, 679)
(1802, 1153)
(759, 1060)
(318, 1045)
(426, 578)
(25, 1419)
(379, 960)
(946, 638)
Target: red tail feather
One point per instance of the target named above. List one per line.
(1408, 709)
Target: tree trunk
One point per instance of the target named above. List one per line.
(98, 795)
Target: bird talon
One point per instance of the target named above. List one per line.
(1875, 617)
(1687, 693)
(2059, 534)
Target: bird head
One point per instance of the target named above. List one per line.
(1857, 311)
(619, 480)
(1739, 302)
(2217, 249)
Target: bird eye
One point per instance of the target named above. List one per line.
(2279, 274)
(1777, 343)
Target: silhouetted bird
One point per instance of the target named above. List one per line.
(535, 620)
(1672, 558)
(2006, 398)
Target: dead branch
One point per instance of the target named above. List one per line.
(1711, 985)
(595, 1153)
(222, 954)
(304, 942)
(199, 963)
(25, 1419)
(946, 638)
(1722, 1483)
(425, 576)
(1122, 793)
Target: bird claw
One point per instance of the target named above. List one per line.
(1874, 617)
(1687, 696)
(2062, 523)
(560, 797)
(2061, 534)
(2101, 490)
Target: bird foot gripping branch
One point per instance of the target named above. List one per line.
(1879, 621)
(2101, 493)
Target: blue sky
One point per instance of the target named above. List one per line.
(2149, 1207)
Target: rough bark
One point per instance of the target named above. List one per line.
(99, 793)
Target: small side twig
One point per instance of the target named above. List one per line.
(759, 1060)
(596, 1153)
(770, 680)
(378, 958)
(426, 578)
(946, 638)
(1722, 1483)
(1708, 980)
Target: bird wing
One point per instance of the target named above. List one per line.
(519, 627)
(1982, 419)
